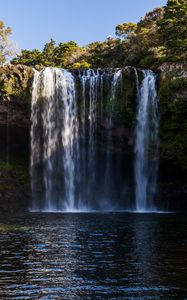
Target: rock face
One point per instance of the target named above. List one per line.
(173, 133)
(15, 98)
(15, 94)
(180, 69)
(173, 114)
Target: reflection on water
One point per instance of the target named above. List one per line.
(93, 256)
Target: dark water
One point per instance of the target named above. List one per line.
(93, 256)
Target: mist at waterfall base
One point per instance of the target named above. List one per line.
(74, 162)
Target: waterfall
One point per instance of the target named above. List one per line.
(35, 144)
(54, 139)
(90, 80)
(146, 144)
(74, 129)
(115, 81)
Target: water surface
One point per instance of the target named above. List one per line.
(93, 256)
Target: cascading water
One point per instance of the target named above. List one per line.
(92, 79)
(54, 139)
(92, 83)
(115, 81)
(146, 144)
(73, 162)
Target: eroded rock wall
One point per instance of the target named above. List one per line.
(15, 99)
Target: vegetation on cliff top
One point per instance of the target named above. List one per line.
(173, 30)
(159, 36)
(5, 46)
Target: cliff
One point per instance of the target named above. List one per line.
(15, 94)
(173, 133)
(15, 100)
(173, 113)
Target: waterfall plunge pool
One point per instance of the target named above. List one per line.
(86, 211)
(93, 256)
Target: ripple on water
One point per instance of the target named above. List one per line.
(86, 256)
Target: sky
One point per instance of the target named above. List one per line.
(34, 22)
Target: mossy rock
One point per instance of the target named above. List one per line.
(173, 112)
(15, 80)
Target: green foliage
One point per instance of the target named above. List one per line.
(173, 127)
(5, 48)
(29, 58)
(125, 30)
(173, 30)
(64, 56)
(104, 54)
(81, 65)
(138, 45)
(142, 48)
(48, 54)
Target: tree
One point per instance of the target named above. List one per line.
(125, 30)
(173, 29)
(143, 47)
(81, 65)
(66, 54)
(5, 48)
(63, 55)
(32, 58)
(48, 54)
